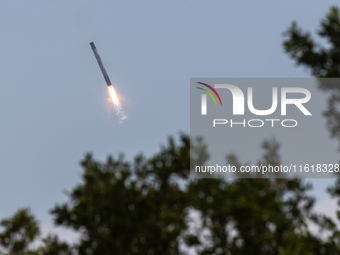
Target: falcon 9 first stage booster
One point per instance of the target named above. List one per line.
(100, 63)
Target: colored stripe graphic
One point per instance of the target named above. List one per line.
(212, 90)
(208, 93)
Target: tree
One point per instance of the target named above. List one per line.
(147, 207)
(323, 61)
(19, 232)
(130, 208)
(53, 246)
(256, 216)
(144, 207)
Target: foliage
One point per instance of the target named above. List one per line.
(145, 207)
(130, 208)
(19, 231)
(152, 206)
(323, 60)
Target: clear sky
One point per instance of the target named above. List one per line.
(54, 104)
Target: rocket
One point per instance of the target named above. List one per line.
(100, 63)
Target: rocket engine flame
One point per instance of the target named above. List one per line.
(118, 108)
(113, 95)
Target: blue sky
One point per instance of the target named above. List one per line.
(54, 104)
